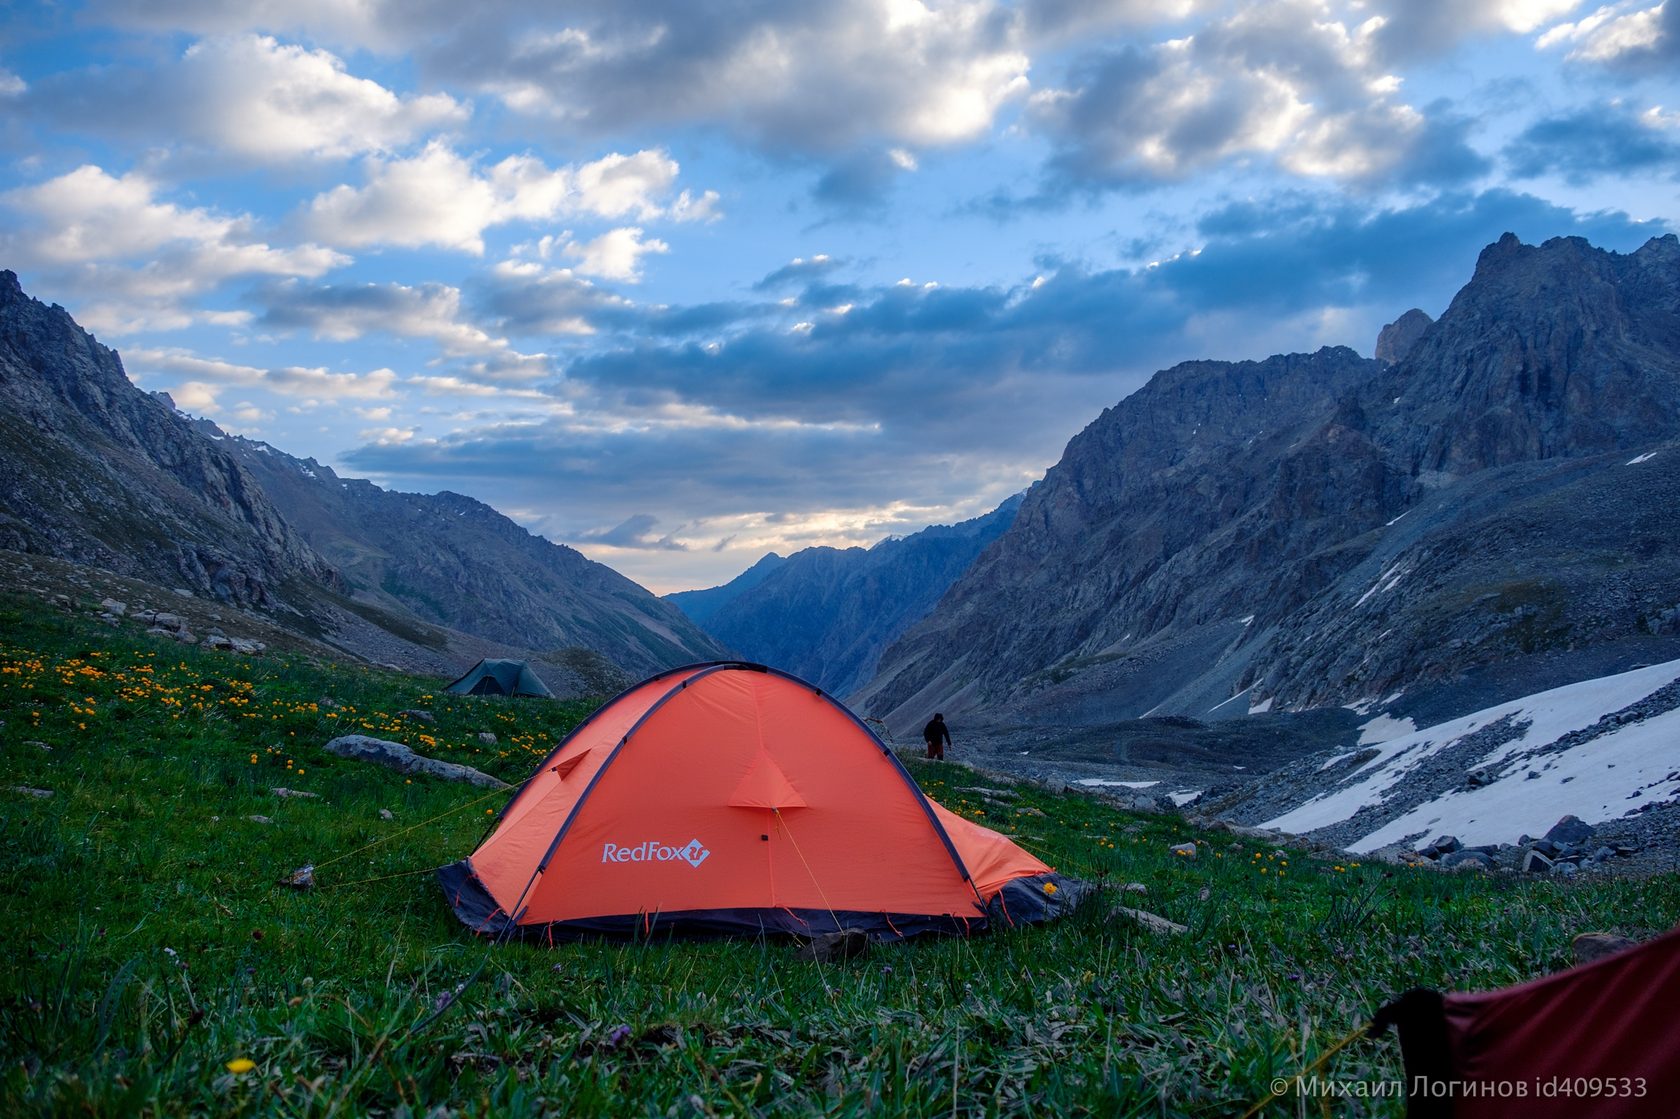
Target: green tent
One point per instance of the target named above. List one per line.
(500, 678)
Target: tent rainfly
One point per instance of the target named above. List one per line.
(500, 678)
(1595, 1040)
(731, 798)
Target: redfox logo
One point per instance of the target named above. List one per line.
(652, 851)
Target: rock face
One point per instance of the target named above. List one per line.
(1398, 337)
(456, 562)
(702, 605)
(96, 471)
(1325, 529)
(826, 614)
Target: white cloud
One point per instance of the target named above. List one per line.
(139, 261)
(1285, 82)
(206, 377)
(10, 84)
(195, 396)
(1607, 33)
(616, 254)
(344, 313)
(88, 215)
(441, 198)
(813, 77)
(254, 96)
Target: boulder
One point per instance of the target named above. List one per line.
(395, 755)
(1154, 922)
(1469, 860)
(215, 641)
(418, 715)
(487, 737)
(112, 606)
(1535, 863)
(1447, 844)
(842, 945)
(1596, 945)
(1570, 831)
(168, 621)
(1188, 850)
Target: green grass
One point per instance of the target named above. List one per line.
(150, 944)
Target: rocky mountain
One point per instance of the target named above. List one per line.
(1326, 529)
(98, 473)
(702, 605)
(453, 561)
(827, 613)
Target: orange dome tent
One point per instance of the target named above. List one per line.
(734, 798)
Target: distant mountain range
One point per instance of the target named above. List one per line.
(1496, 501)
(1484, 510)
(826, 614)
(96, 471)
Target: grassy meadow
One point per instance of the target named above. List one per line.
(157, 968)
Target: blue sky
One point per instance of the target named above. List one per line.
(682, 283)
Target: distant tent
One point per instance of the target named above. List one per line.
(1595, 1040)
(500, 678)
(731, 798)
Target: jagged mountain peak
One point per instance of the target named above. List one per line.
(1312, 528)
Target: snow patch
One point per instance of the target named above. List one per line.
(1646, 457)
(1260, 708)
(1233, 699)
(1387, 581)
(1383, 728)
(1183, 797)
(1336, 760)
(1104, 783)
(1594, 780)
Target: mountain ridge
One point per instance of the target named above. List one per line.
(1204, 539)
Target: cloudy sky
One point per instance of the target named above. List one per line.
(681, 283)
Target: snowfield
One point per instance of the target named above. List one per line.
(1533, 782)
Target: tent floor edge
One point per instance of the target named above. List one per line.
(478, 911)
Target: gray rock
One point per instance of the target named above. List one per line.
(1154, 922)
(216, 641)
(260, 819)
(387, 814)
(395, 755)
(1596, 945)
(30, 791)
(418, 715)
(842, 945)
(487, 737)
(1567, 870)
(168, 621)
(1396, 339)
(1469, 860)
(1570, 830)
(1535, 863)
(112, 606)
(284, 792)
(246, 646)
(1187, 850)
(1447, 844)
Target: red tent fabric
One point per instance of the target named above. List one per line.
(1597, 1040)
(733, 798)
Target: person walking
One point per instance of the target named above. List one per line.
(937, 736)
